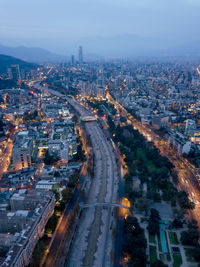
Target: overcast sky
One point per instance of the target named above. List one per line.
(99, 25)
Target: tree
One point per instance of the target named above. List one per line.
(3, 251)
(134, 194)
(158, 263)
(57, 196)
(184, 201)
(153, 227)
(174, 177)
(196, 253)
(73, 180)
(51, 224)
(49, 159)
(155, 215)
(134, 243)
(132, 169)
(177, 223)
(111, 124)
(154, 220)
(190, 237)
(66, 194)
(80, 155)
(142, 204)
(128, 177)
(193, 224)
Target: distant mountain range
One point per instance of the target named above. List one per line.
(131, 46)
(37, 55)
(7, 61)
(121, 46)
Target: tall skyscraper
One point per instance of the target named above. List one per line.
(80, 55)
(73, 60)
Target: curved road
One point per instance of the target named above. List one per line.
(93, 243)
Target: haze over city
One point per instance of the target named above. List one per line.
(99, 133)
(104, 27)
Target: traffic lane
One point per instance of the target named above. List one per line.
(61, 230)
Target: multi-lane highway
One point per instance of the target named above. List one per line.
(93, 244)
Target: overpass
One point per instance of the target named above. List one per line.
(88, 118)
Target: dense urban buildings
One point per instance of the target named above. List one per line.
(100, 164)
(100, 133)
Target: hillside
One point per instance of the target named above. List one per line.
(7, 61)
(37, 55)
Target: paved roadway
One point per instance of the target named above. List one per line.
(6, 147)
(188, 179)
(37, 85)
(5, 155)
(60, 230)
(93, 243)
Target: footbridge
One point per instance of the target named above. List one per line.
(102, 204)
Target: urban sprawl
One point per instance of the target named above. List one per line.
(99, 163)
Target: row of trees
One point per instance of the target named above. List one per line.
(190, 237)
(154, 221)
(143, 159)
(50, 227)
(80, 155)
(101, 106)
(134, 242)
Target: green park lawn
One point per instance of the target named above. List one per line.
(188, 254)
(173, 238)
(153, 255)
(159, 243)
(177, 259)
(141, 154)
(152, 239)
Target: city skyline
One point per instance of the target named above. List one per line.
(126, 27)
(100, 133)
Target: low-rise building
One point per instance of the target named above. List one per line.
(22, 150)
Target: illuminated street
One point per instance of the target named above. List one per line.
(91, 248)
(5, 157)
(100, 133)
(188, 180)
(5, 154)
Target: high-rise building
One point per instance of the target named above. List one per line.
(14, 73)
(80, 55)
(73, 60)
